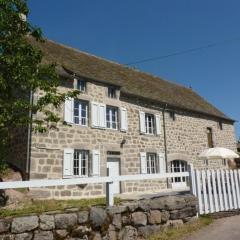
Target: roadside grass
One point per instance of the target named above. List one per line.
(21, 190)
(40, 206)
(183, 230)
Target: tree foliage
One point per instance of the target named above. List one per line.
(22, 73)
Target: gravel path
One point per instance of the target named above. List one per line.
(221, 229)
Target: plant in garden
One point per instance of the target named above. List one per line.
(22, 73)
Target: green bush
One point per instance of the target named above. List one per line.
(4, 168)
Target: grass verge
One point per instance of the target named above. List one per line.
(40, 206)
(183, 230)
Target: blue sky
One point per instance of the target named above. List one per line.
(130, 30)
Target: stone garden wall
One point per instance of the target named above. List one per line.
(127, 221)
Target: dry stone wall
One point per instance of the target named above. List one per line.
(130, 220)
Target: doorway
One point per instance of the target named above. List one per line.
(178, 166)
(113, 164)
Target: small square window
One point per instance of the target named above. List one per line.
(112, 92)
(172, 115)
(81, 85)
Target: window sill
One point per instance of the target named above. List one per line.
(79, 125)
(150, 134)
(105, 128)
(112, 129)
(73, 177)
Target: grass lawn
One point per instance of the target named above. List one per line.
(183, 230)
(39, 206)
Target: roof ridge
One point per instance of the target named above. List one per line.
(134, 81)
(158, 78)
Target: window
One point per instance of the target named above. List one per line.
(205, 162)
(81, 85)
(152, 163)
(112, 92)
(172, 115)
(224, 162)
(80, 163)
(210, 137)
(220, 125)
(178, 166)
(80, 112)
(111, 117)
(149, 122)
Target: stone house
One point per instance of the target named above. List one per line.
(126, 120)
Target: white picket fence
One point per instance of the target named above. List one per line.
(216, 190)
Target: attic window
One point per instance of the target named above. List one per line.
(220, 125)
(172, 115)
(112, 92)
(81, 85)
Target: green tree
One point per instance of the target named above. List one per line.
(22, 73)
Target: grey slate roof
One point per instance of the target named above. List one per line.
(133, 82)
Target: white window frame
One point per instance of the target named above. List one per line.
(80, 117)
(178, 166)
(110, 123)
(152, 163)
(79, 163)
(79, 86)
(152, 132)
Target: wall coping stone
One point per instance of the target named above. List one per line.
(129, 220)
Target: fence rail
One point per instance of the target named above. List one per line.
(109, 180)
(216, 190)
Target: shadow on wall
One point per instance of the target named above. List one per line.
(234, 164)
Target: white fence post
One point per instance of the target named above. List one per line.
(192, 181)
(215, 195)
(205, 199)
(223, 175)
(199, 191)
(109, 192)
(237, 187)
(209, 189)
(229, 192)
(219, 190)
(233, 190)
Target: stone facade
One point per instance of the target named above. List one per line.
(186, 137)
(130, 220)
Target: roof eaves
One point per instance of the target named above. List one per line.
(173, 107)
(73, 74)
